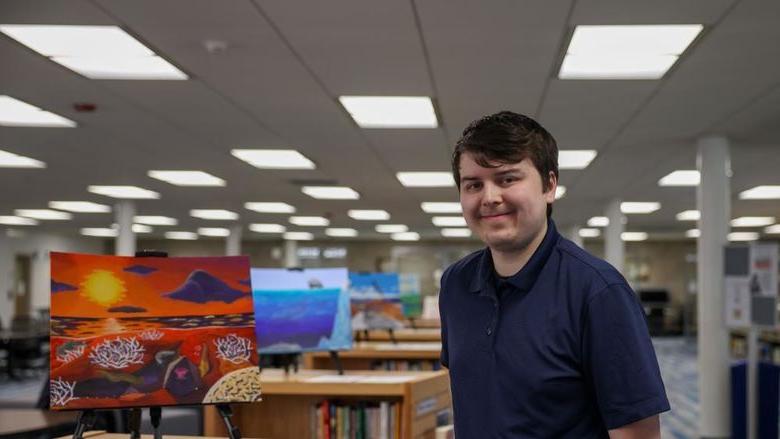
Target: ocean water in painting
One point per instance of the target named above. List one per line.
(375, 301)
(139, 332)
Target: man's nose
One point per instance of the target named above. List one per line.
(491, 195)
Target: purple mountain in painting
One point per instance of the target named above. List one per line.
(127, 308)
(140, 269)
(201, 287)
(58, 287)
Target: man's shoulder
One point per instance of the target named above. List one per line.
(467, 264)
(576, 259)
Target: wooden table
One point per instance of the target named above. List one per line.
(27, 422)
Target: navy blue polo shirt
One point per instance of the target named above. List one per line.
(562, 351)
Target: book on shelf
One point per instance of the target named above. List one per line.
(404, 365)
(337, 419)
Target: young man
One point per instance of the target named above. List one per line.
(542, 339)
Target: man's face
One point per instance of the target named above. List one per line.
(506, 206)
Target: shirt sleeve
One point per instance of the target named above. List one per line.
(619, 358)
(444, 358)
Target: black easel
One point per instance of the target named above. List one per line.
(226, 412)
(334, 356)
(156, 414)
(86, 421)
(412, 322)
(134, 423)
(391, 334)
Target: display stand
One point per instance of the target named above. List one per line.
(85, 422)
(134, 422)
(334, 357)
(283, 361)
(226, 413)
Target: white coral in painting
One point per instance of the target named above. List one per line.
(233, 348)
(68, 355)
(151, 334)
(61, 392)
(118, 353)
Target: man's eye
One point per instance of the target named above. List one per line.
(472, 186)
(507, 180)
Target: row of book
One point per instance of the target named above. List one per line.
(403, 365)
(338, 419)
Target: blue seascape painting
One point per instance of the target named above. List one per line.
(375, 301)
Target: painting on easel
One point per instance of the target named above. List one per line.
(140, 332)
(376, 301)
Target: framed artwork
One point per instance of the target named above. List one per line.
(376, 301)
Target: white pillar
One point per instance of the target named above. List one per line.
(573, 233)
(614, 248)
(233, 242)
(125, 239)
(291, 254)
(713, 198)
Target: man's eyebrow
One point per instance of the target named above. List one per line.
(462, 179)
(509, 171)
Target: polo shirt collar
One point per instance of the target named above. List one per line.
(526, 277)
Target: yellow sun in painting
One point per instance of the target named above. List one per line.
(103, 288)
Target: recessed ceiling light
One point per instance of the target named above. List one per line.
(456, 233)
(330, 192)
(575, 158)
(390, 111)
(155, 220)
(341, 232)
(298, 236)
(214, 214)
(213, 231)
(441, 207)
(405, 236)
(633, 236)
(598, 221)
(743, 236)
(315, 221)
(274, 158)
(639, 206)
(11, 160)
(141, 228)
(681, 178)
(369, 214)
(270, 207)
(767, 192)
(124, 192)
(688, 215)
(391, 228)
(181, 235)
(752, 221)
(589, 233)
(187, 178)
(692, 233)
(560, 191)
(773, 229)
(97, 52)
(80, 206)
(43, 214)
(625, 51)
(101, 232)
(15, 113)
(426, 179)
(9, 220)
(449, 221)
(267, 228)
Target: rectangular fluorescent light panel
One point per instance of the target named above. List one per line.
(155, 220)
(405, 236)
(267, 228)
(298, 236)
(752, 221)
(341, 232)
(97, 52)
(368, 214)
(269, 207)
(742, 236)
(633, 236)
(692, 233)
(11, 160)
(773, 229)
(767, 192)
(625, 51)
(681, 178)
(80, 206)
(449, 221)
(43, 214)
(314, 221)
(274, 158)
(213, 231)
(141, 228)
(101, 232)
(688, 215)
(187, 178)
(575, 158)
(560, 191)
(598, 221)
(441, 207)
(589, 233)
(391, 228)
(456, 233)
(330, 192)
(214, 214)
(124, 192)
(391, 111)
(181, 236)
(10, 220)
(15, 113)
(639, 207)
(426, 179)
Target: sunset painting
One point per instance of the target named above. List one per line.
(140, 332)
(376, 301)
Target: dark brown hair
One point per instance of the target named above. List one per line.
(507, 138)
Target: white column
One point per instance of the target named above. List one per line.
(573, 233)
(713, 198)
(233, 241)
(614, 248)
(291, 254)
(125, 240)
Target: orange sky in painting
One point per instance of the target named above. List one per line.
(146, 291)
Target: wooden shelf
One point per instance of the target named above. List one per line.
(365, 354)
(287, 409)
(403, 335)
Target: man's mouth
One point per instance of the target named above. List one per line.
(494, 216)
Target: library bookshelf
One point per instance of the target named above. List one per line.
(288, 409)
(381, 355)
(402, 335)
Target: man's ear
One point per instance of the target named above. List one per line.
(552, 185)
